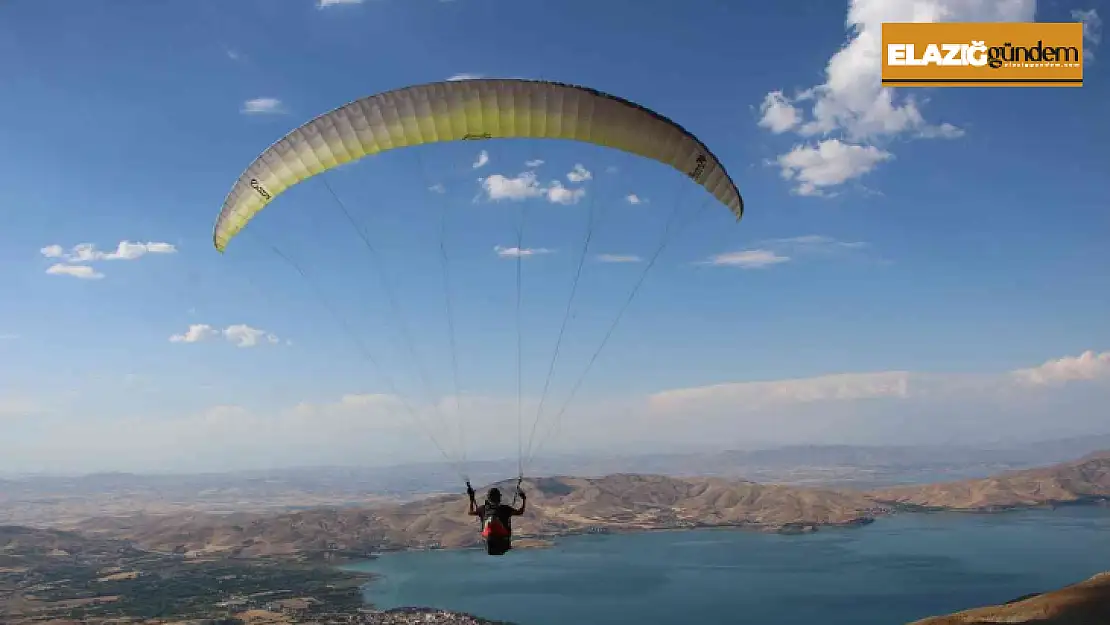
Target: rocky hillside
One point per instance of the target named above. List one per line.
(1085, 603)
(615, 503)
(1084, 481)
(556, 506)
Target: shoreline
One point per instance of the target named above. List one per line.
(386, 595)
(549, 541)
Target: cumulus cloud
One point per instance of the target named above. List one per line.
(852, 106)
(527, 185)
(125, 250)
(533, 164)
(558, 194)
(262, 106)
(579, 173)
(196, 333)
(633, 199)
(748, 259)
(241, 335)
(827, 164)
(323, 4)
(619, 258)
(1086, 366)
(516, 252)
(777, 114)
(77, 257)
(1092, 31)
(499, 187)
(482, 160)
(437, 188)
(77, 271)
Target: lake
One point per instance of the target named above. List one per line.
(895, 570)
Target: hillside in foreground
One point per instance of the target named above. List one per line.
(1085, 603)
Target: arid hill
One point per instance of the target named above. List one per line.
(572, 505)
(1085, 603)
(556, 506)
(1084, 481)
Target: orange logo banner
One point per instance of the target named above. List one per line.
(987, 54)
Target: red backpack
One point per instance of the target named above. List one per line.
(491, 525)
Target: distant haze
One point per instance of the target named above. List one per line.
(1062, 398)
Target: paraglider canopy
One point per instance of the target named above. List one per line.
(464, 111)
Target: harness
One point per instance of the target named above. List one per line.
(492, 527)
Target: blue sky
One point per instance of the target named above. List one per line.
(901, 240)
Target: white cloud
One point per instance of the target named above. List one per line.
(770, 252)
(1092, 31)
(828, 164)
(196, 333)
(778, 114)
(1086, 366)
(77, 271)
(851, 103)
(633, 199)
(533, 164)
(125, 250)
(750, 395)
(233, 54)
(619, 258)
(262, 106)
(579, 174)
(241, 335)
(323, 4)
(437, 188)
(87, 253)
(9, 337)
(483, 158)
(527, 185)
(1089, 366)
(524, 186)
(516, 252)
(465, 76)
(748, 259)
(558, 194)
(245, 336)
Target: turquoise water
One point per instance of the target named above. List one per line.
(896, 570)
